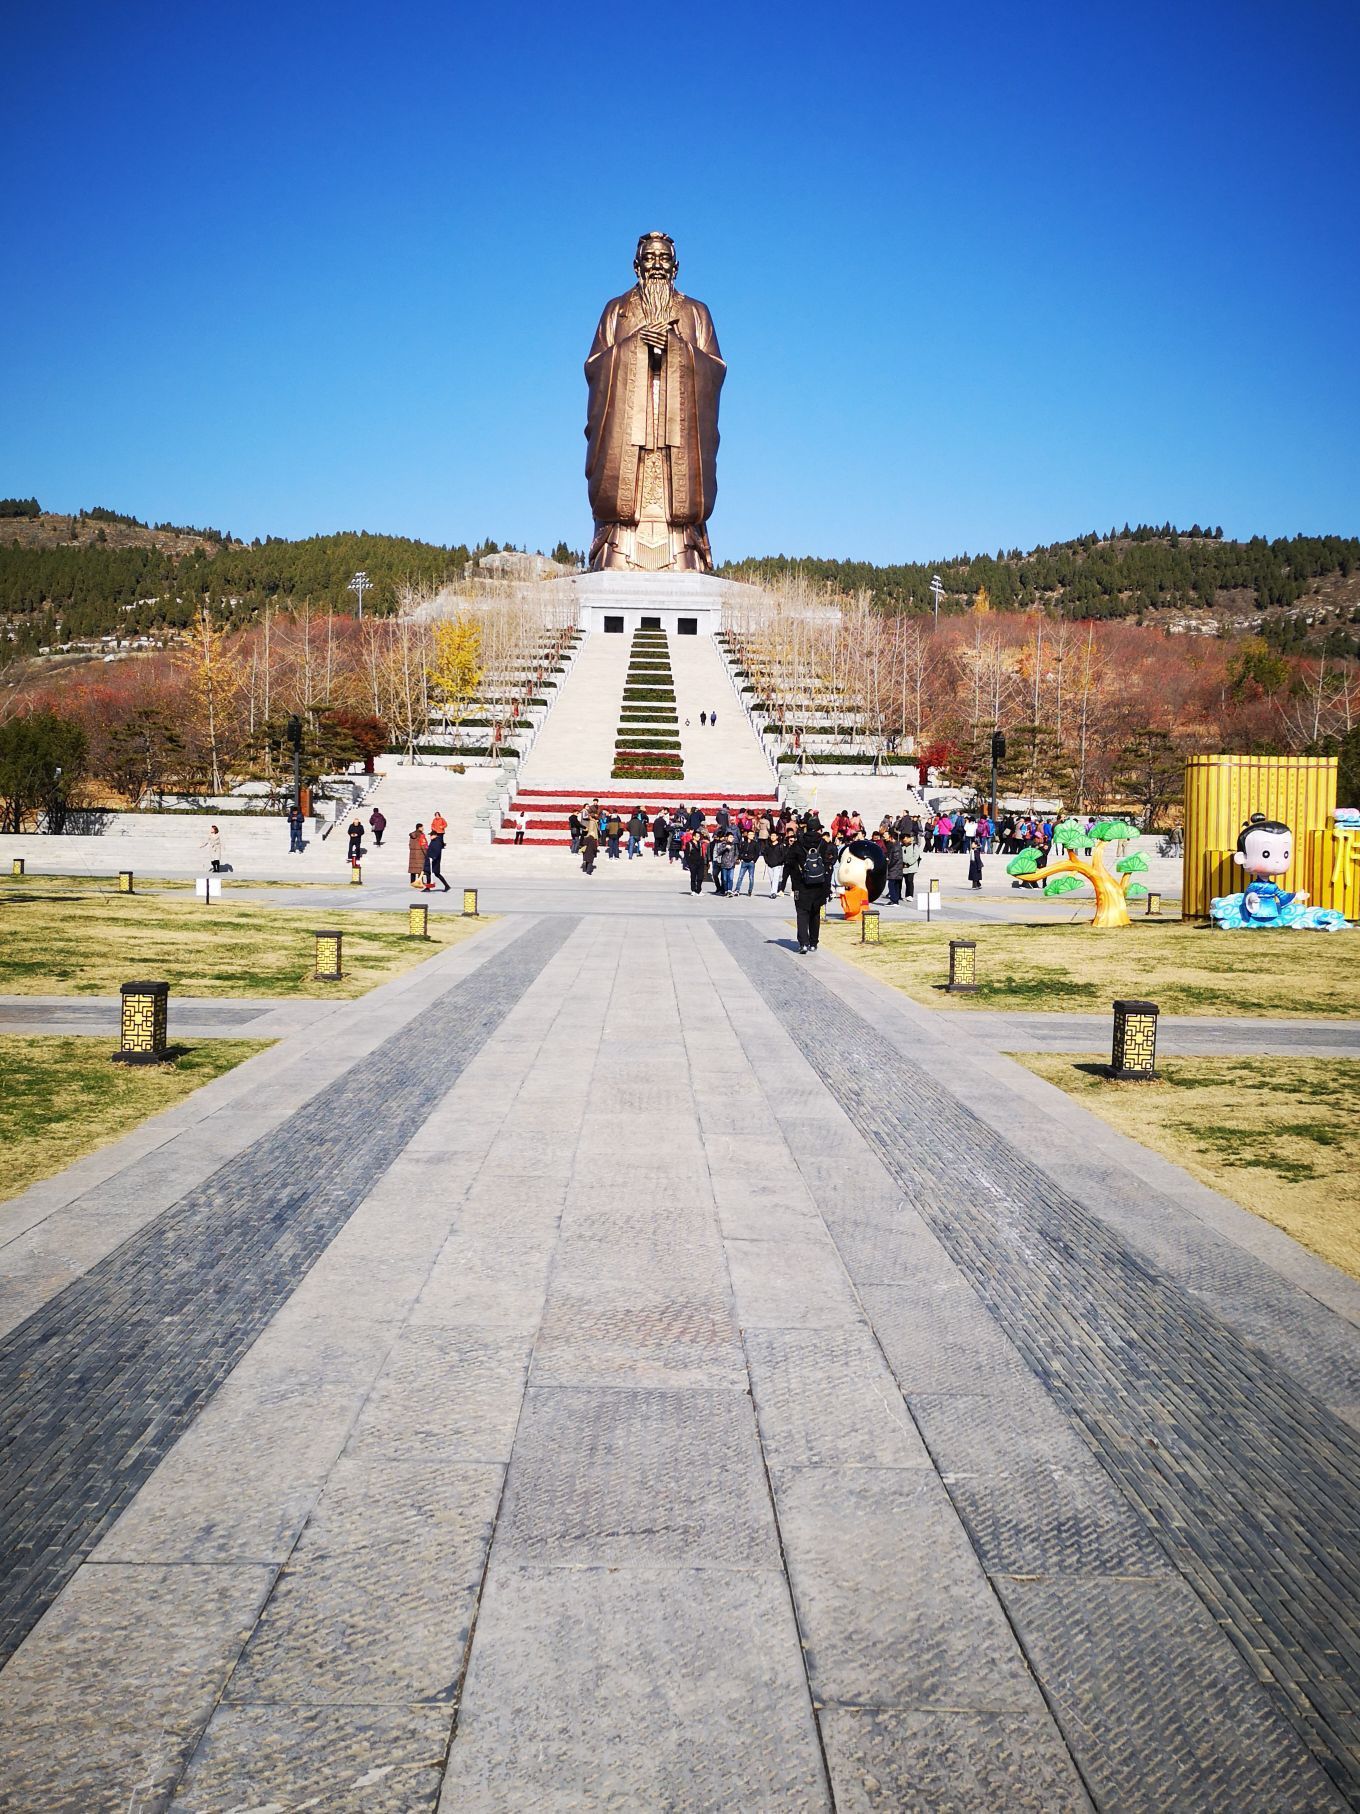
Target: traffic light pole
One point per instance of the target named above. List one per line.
(998, 755)
(295, 738)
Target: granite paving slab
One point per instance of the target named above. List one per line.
(892, 1604)
(1183, 1035)
(698, 1400)
(445, 1395)
(594, 1689)
(640, 1476)
(364, 1629)
(1249, 1482)
(1150, 1699)
(883, 1760)
(617, 1334)
(825, 1398)
(169, 1636)
(345, 1760)
(111, 1371)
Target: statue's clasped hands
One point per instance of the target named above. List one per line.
(655, 336)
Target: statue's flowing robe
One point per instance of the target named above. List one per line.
(618, 373)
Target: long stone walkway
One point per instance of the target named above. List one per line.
(622, 1364)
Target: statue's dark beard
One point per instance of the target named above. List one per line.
(658, 298)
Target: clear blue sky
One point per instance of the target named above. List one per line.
(983, 274)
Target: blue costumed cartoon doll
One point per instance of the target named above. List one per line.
(1264, 848)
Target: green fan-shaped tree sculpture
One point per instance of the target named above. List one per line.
(1082, 860)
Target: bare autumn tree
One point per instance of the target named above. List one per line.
(1323, 702)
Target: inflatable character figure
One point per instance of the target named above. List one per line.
(1264, 849)
(861, 871)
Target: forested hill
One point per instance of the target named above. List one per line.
(1125, 573)
(98, 572)
(66, 578)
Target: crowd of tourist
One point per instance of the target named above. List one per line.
(789, 852)
(736, 850)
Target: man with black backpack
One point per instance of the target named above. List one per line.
(814, 858)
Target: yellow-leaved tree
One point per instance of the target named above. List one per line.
(455, 664)
(213, 672)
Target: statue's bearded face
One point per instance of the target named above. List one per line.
(656, 261)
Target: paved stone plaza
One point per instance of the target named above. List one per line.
(622, 1364)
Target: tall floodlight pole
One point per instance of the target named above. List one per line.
(937, 593)
(360, 584)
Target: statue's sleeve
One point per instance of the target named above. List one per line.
(692, 430)
(705, 335)
(609, 474)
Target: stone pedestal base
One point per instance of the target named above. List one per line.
(682, 604)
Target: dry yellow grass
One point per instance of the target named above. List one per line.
(1183, 968)
(64, 1097)
(88, 944)
(1277, 1135)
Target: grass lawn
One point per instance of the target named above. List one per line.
(1185, 969)
(64, 1096)
(34, 887)
(1275, 1134)
(87, 945)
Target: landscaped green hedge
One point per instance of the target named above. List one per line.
(646, 743)
(649, 711)
(648, 696)
(517, 724)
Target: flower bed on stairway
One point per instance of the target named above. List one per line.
(648, 771)
(647, 743)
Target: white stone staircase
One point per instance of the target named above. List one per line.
(576, 744)
(572, 759)
(730, 755)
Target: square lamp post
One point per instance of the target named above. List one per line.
(962, 967)
(16, 868)
(418, 920)
(356, 875)
(143, 1023)
(469, 903)
(329, 966)
(1154, 902)
(870, 927)
(1134, 1055)
(125, 881)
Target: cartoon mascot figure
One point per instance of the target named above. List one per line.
(861, 872)
(1264, 849)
